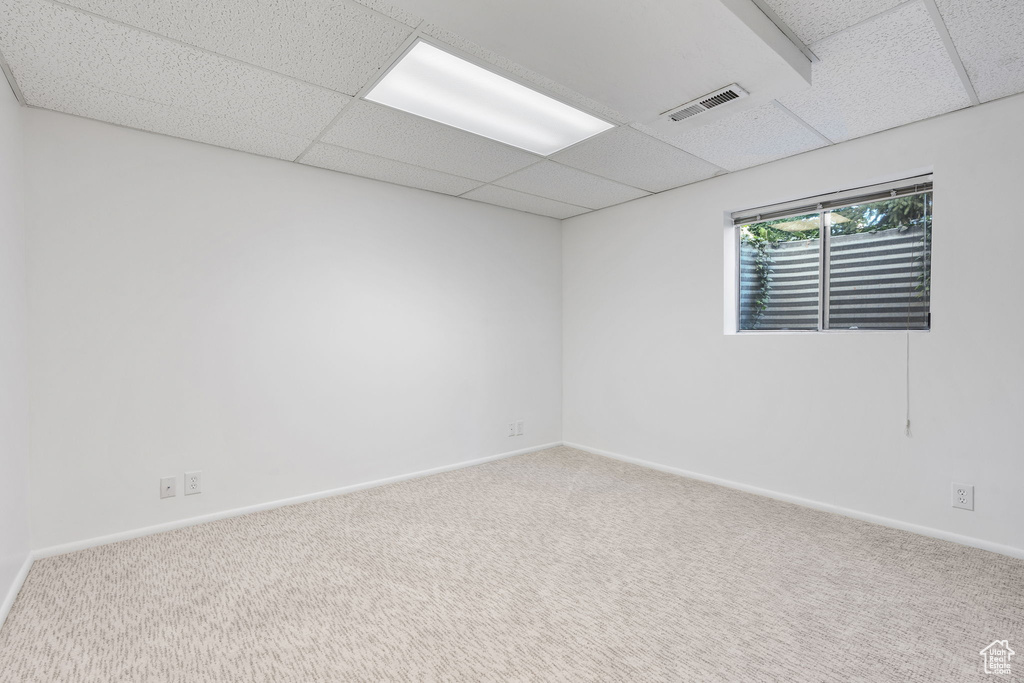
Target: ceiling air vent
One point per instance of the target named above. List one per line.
(709, 101)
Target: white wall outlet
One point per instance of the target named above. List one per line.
(511, 428)
(963, 496)
(193, 483)
(168, 487)
(519, 427)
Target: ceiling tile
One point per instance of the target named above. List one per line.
(812, 20)
(564, 184)
(521, 201)
(49, 45)
(369, 166)
(393, 134)
(880, 74)
(338, 45)
(85, 100)
(751, 137)
(987, 37)
(628, 156)
(392, 11)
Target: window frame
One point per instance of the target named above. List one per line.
(823, 205)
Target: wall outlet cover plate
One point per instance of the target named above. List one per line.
(193, 483)
(963, 496)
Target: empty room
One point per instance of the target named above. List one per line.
(510, 340)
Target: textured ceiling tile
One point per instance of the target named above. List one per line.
(987, 37)
(338, 45)
(880, 74)
(82, 99)
(812, 20)
(569, 185)
(521, 201)
(751, 137)
(369, 166)
(521, 73)
(390, 10)
(630, 157)
(393, 134)
(47, 45)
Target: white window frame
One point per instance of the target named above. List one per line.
(820, 204)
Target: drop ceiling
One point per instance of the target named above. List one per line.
(286, 79)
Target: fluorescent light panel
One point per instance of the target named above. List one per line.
(436, 85)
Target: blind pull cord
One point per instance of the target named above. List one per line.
(924, 256)
(907, 430)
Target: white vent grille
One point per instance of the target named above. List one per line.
(709, 101)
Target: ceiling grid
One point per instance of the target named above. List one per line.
(954, 55)
(363, 90)
(988, 41)
(298, 47)
(907, 79)
(815, 20)
(286, 79)
(222, 55)
(799, 120)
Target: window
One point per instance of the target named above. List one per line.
(857, 260)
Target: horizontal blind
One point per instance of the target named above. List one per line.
(834, 200)
(878, 281)
(791, 299)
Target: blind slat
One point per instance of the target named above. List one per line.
(876, 281)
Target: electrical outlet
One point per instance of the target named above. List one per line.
(168, 487)
(963, 496)
(193, 483)
(519, 427)
(511, 428)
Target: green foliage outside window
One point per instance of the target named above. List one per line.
(900, 213)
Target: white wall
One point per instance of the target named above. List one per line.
(649, 374)
(288, 330)
(14, 511)
(284, 329)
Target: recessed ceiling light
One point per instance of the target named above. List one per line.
(436, 85)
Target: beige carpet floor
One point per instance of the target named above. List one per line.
(555, 566)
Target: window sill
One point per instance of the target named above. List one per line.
(771, 333)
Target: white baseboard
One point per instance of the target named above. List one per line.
(827, 507)
(12, 592)
(192, 521)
